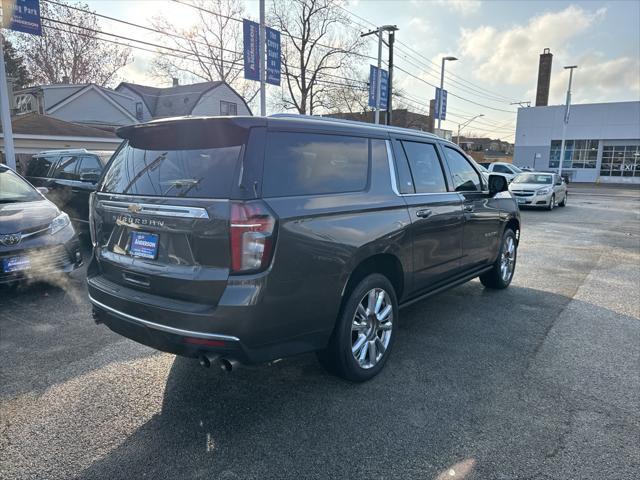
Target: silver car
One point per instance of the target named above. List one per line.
(539, 189)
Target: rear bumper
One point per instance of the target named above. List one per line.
(242, 332)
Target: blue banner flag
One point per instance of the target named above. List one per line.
(373, 87)
(273, 56)
(444, 105)
(22, 16)
(251, 34)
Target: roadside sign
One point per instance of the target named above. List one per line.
(22, 16)
(373, 87)
(251, 36)
(273, 56)
(444, 105)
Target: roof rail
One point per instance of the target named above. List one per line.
(64, 150)
(356, 123)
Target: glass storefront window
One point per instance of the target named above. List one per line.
(577, 154)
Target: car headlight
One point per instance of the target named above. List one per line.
(59, 223)
(543, 191)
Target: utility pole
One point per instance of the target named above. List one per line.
(566, 117)
(444, 59)
(392, 38)
(262, 63)
(5, 112)
(465, 124)
(378, 31)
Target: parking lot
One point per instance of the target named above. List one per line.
(540, 381)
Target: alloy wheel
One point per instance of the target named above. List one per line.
(508, 259)
(371, 328)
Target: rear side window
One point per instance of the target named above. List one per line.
(90, 164)
(199, 173)
(39, 166)
(501, 169)
(314, 164)
(465, 177)
(425, 167)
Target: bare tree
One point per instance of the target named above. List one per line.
(214, 43)
(70, 47)
(350, 94)
(316, 42)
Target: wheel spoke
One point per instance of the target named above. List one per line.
(359, 326)
(363, 353)
(371, 302)
(379, 299)
(385, 326)
(380, 345)
(372, 352)
(361, 311)
(358, 345)
(384, 314)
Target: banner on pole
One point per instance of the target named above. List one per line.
(273, 56)
(251, 37)
(22, 16)
(437, 115)
(373, 87)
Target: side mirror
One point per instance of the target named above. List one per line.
(497, 184)
(89, 177)
(42, 190)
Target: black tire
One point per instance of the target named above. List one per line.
(564, 200)
(338, 357)
(494, 278)
(552, 203)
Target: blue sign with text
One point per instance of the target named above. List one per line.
(251, 34)
(444, 105)
(273, 56)
(22, 16)
(373, 87)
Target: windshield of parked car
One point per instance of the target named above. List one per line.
(535, 178)
(15, 189)
(516, 169)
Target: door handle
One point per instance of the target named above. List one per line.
(468, 208)
(425, 213)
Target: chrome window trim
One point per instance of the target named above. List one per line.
(155, 209)
(394, 183)
(164, 328)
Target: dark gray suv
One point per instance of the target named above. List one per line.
(248, 239)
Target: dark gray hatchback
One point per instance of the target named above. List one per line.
(247, 239)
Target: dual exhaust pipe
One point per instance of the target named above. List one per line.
(209, 359)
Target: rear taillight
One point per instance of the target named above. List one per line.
(252, 236)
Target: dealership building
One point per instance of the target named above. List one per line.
(602, 141)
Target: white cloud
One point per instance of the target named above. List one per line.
(511, 56)
(418, 25)
(464, 7)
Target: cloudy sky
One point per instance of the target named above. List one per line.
(497, 43)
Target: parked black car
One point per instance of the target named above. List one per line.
(36, 238)
(249, 239)
(69, 177)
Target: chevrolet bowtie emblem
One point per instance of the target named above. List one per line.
(10, 239)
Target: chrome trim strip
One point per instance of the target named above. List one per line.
(394, 183)
(153, 209)
(165, 328)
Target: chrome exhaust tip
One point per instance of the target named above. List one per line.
(207, 360)
(228, 365)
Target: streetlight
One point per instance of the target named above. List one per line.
(465, 124)
(566, 117)
(444, 59)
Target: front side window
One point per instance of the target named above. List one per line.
(15, 189)
(90, 164)
(314, 164)
(465, 178)
(425, 167)
(228, 108)
(501, 169)
(67, 168)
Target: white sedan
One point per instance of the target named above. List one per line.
(539, 189)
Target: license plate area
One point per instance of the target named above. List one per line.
(143, 245)
(521, 200)
(16, 264)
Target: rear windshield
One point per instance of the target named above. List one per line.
(202, 172)
(533, 178)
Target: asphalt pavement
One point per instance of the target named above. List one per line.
(540, 381)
